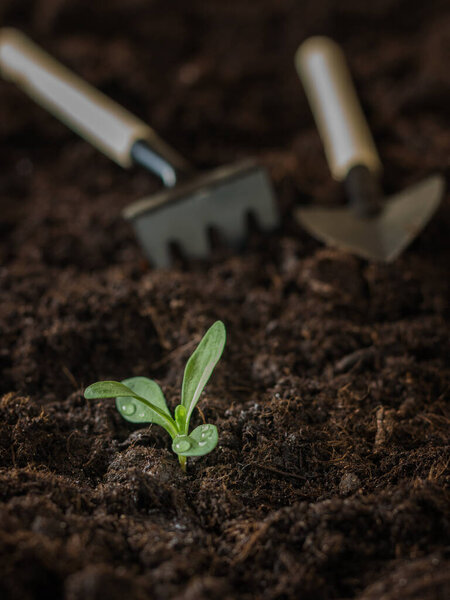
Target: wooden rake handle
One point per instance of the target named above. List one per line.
(343, 128)
(98, 119)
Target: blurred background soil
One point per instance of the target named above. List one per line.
(330, 478)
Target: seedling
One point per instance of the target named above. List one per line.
(141, 400)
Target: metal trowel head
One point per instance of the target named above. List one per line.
(221, 199)
(383, 236)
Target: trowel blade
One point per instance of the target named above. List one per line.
(381, 237)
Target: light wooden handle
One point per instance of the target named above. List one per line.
(345, 134)
(90, 113)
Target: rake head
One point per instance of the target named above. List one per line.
(221, 199)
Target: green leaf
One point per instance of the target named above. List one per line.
(200, 442)
(114, 389)
(106, 389)
(135, 411)
(180, 417)
(200, 366)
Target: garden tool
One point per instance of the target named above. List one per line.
(371, 226)
(191, 203)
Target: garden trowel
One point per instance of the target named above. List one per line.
(190, 205)
(371, 226)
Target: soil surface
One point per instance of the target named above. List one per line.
(329, 480)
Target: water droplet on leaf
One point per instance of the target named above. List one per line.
(207, 432)
(128, 408)
(182, 445)
(202, 443)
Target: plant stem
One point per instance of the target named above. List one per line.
(171, 426)
(182, 460)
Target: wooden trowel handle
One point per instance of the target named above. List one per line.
(345, 134)
(94, 116)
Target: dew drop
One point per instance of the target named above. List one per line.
(128, 408)
(182, 446)
(207, 432)
(202, 443)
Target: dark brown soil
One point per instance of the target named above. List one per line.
(329, 481)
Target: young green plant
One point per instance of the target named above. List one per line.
(141, 400)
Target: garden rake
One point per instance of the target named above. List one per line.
(190, 205)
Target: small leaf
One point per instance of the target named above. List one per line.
(205, 433)
(114, 389)
(180, 417)
(200, 366)
(200, 442)
(106, 389)
(137, 412)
